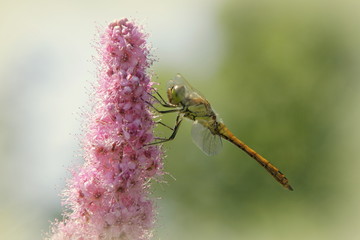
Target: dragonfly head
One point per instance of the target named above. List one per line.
(176, 94)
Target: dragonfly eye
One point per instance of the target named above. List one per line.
(176, 94)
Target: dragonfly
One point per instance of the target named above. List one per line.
(207, 130)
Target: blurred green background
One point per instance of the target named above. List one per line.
(283, 76)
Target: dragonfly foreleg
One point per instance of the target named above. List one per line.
(157, 93)
(175, 130)
(162, 102)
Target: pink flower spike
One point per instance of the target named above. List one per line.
(108, 197)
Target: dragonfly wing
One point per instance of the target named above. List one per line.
(209, 143)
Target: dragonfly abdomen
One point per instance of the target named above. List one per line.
(225, 133)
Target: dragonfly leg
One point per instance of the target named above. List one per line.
(164, 111)
(163, 124)
(175, 130)
(161, 101)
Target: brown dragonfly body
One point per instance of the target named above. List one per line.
(207, 130)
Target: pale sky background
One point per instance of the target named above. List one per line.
(45, 69)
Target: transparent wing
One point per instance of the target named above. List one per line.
(179, 80)
(209, 143)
